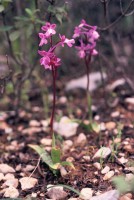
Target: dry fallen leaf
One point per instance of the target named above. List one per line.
(28, 182)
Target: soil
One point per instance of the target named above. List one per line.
(85, 174)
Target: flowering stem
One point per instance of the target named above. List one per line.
(54, 71)
(87, 64)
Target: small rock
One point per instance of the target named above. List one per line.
(131, 169)
(56, 193)
(46, 141)
(45, 123)
(110, 195)
(86, 193)
(34, 123)
(102, 153)
(66, 127)
(117, 140)
(73, 199)
(70, 159)
(129, 177)
(123, 160)
(4, 168)
(87, 158)
(81, 140)
(31, 130)
(105, 170)
(28, 182)
(102, 126)
(11, 192)
(1, 176)
(63, 100)
(115, 114)
(9, 176)
(97, 165)
(67, 144)
(110, 125)
(63, 171)
(130, 103)
(34, 195)
(28, 168)
(108, 175)
(127, 196)
(13, 182)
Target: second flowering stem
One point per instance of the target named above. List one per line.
(54, 74)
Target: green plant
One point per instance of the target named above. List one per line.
(115, 145)
(54, 159)
(122, 185)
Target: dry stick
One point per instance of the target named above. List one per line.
(35, 167)
(118, 19)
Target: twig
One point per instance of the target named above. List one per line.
(118, 19)
(35, 167)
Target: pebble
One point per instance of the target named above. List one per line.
(11, 182)
(9, 176)
(18, 167)
(28, 168)
(56, 193)
(67, 144)
(123, 160)
(63, 100)
(115, 114)
(129, 177)
(11, 192)
(127, 196)
(46, 141)
(34, 123)
(102, 153)
(110, 195)
(81, 140)
(102, 126)
(4, 168)
(86, 193)
(63, 171)
(108, 175)
(87, 158)
(117, 140)
(1, 176)
(45, 123)
(28, 182)
(97, 165)
(34, 195)
(105, 170)
(66, 127)
(110, 125)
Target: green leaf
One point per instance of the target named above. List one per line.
(55, 155)
(6, 28)
(94, 127)
(14, 35)
(1, 8)
(29, 12)
(43, 154)
(65, 163)
(121, 185)
(59, 18)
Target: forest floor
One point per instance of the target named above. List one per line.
(113, 112)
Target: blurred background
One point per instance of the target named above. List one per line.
(23, 80)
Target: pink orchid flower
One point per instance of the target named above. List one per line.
(49, 29)
(67, 41)
(43, 39)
